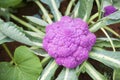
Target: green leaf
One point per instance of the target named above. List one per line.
(27, 66)
(34, 34)
(45, 61)
(40, 52)
(109, 58)
(93, 72)
(80, 69)
(116, 74)
(36, 38)
(75, 11)
(116, 3)
(95, 27)
(104, 42)
(9, 3)
(54, 5)
(4, 38)
(11, 30)
(14, 32)
(105, 3)
(1, 21)
(37, 21)
(112, 18)
(48, 2)
(5, 13)
(67, 74)
(85, 9)
(49, 71)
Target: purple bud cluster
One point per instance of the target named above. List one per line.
(109, 10)
(68, 41)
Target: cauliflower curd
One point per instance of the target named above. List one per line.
(68, 41)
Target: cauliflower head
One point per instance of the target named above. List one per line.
(68, 41)
(109, 10)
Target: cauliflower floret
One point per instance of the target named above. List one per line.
(68, 41)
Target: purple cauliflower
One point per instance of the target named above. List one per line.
(109, 10)
(68, 41)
